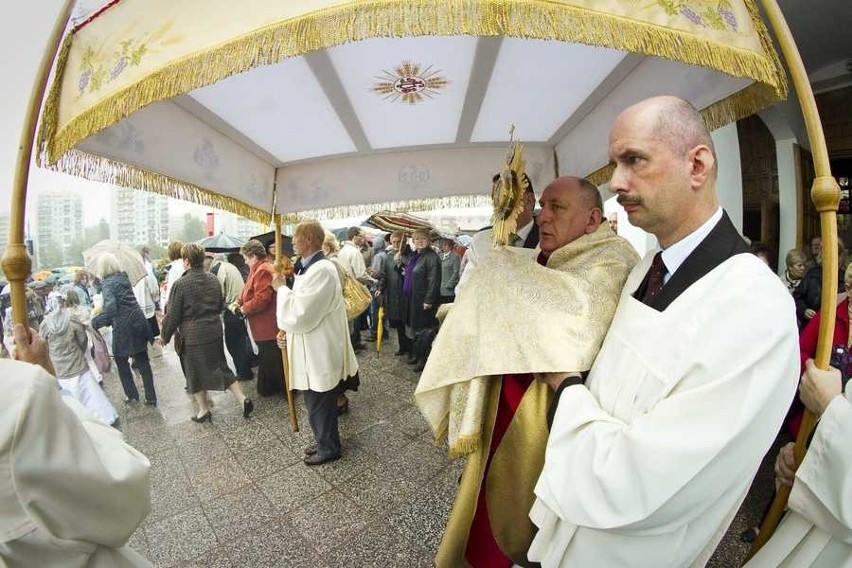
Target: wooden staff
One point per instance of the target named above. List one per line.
(16, 262)
(279, 270)
(826, 197)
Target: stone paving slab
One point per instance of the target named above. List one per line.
(235, 492)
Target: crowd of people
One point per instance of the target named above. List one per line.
(613, 411)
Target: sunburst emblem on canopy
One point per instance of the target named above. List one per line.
(408, 83)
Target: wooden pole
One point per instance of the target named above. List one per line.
(826, 196)
(279, 269)
(16, 262)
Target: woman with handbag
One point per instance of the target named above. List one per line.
(67, 343)
(421, 290)
(195, 307)
(257, 304)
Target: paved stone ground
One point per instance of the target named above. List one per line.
(236, 493)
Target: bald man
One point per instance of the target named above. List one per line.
(523, 312)
(649, 458)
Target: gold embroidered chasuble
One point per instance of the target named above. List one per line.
(514, 316)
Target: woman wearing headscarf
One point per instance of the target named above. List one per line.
(130, 331)
(66, 342)
(421, 289)
(257, 304)
(195, 307)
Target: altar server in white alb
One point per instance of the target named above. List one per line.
(817, 529)
(649, 459)
(72, 491)
(321, 358)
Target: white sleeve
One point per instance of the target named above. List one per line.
(302, 309)
(75, 476)
(822, 492)
(359, 269)
(704, 437)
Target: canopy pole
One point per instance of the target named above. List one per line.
(825, 194)
(16, 263)
(279, 269)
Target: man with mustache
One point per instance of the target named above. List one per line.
(650, 456)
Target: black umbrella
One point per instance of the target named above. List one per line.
(221, 243)
(269, 238)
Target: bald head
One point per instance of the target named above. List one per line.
(675, 122)
(665, 167)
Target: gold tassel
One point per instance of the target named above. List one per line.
(465, 445)
(530, 19)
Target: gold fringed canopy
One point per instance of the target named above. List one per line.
(342, 104)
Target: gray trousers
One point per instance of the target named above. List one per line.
(322, 415)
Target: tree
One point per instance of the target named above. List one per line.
(193, 229)
(91, 235)
(49, 255)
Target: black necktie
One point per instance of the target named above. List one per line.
(655, 278)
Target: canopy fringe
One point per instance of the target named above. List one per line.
(406, 206)
(104, 170)
(531, 19)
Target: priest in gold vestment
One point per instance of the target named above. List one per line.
(522, 312)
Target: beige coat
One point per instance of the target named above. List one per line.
(314, 316)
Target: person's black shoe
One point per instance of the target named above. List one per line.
(150, 402)
(316, 459)
(749, 535)
(371, 339)
(419, 367)
(357, 348)
(129, 400)
(400, 352)
(206, 417)
(311, 450)
(248, 407)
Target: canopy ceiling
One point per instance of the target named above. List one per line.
(301, 106)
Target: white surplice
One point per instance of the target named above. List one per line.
(817, 529)
(314, 316)
(648, 463)
(71, 491)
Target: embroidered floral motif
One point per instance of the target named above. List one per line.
(97, 69)
(715, 14)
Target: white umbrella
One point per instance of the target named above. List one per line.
(129, 259)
